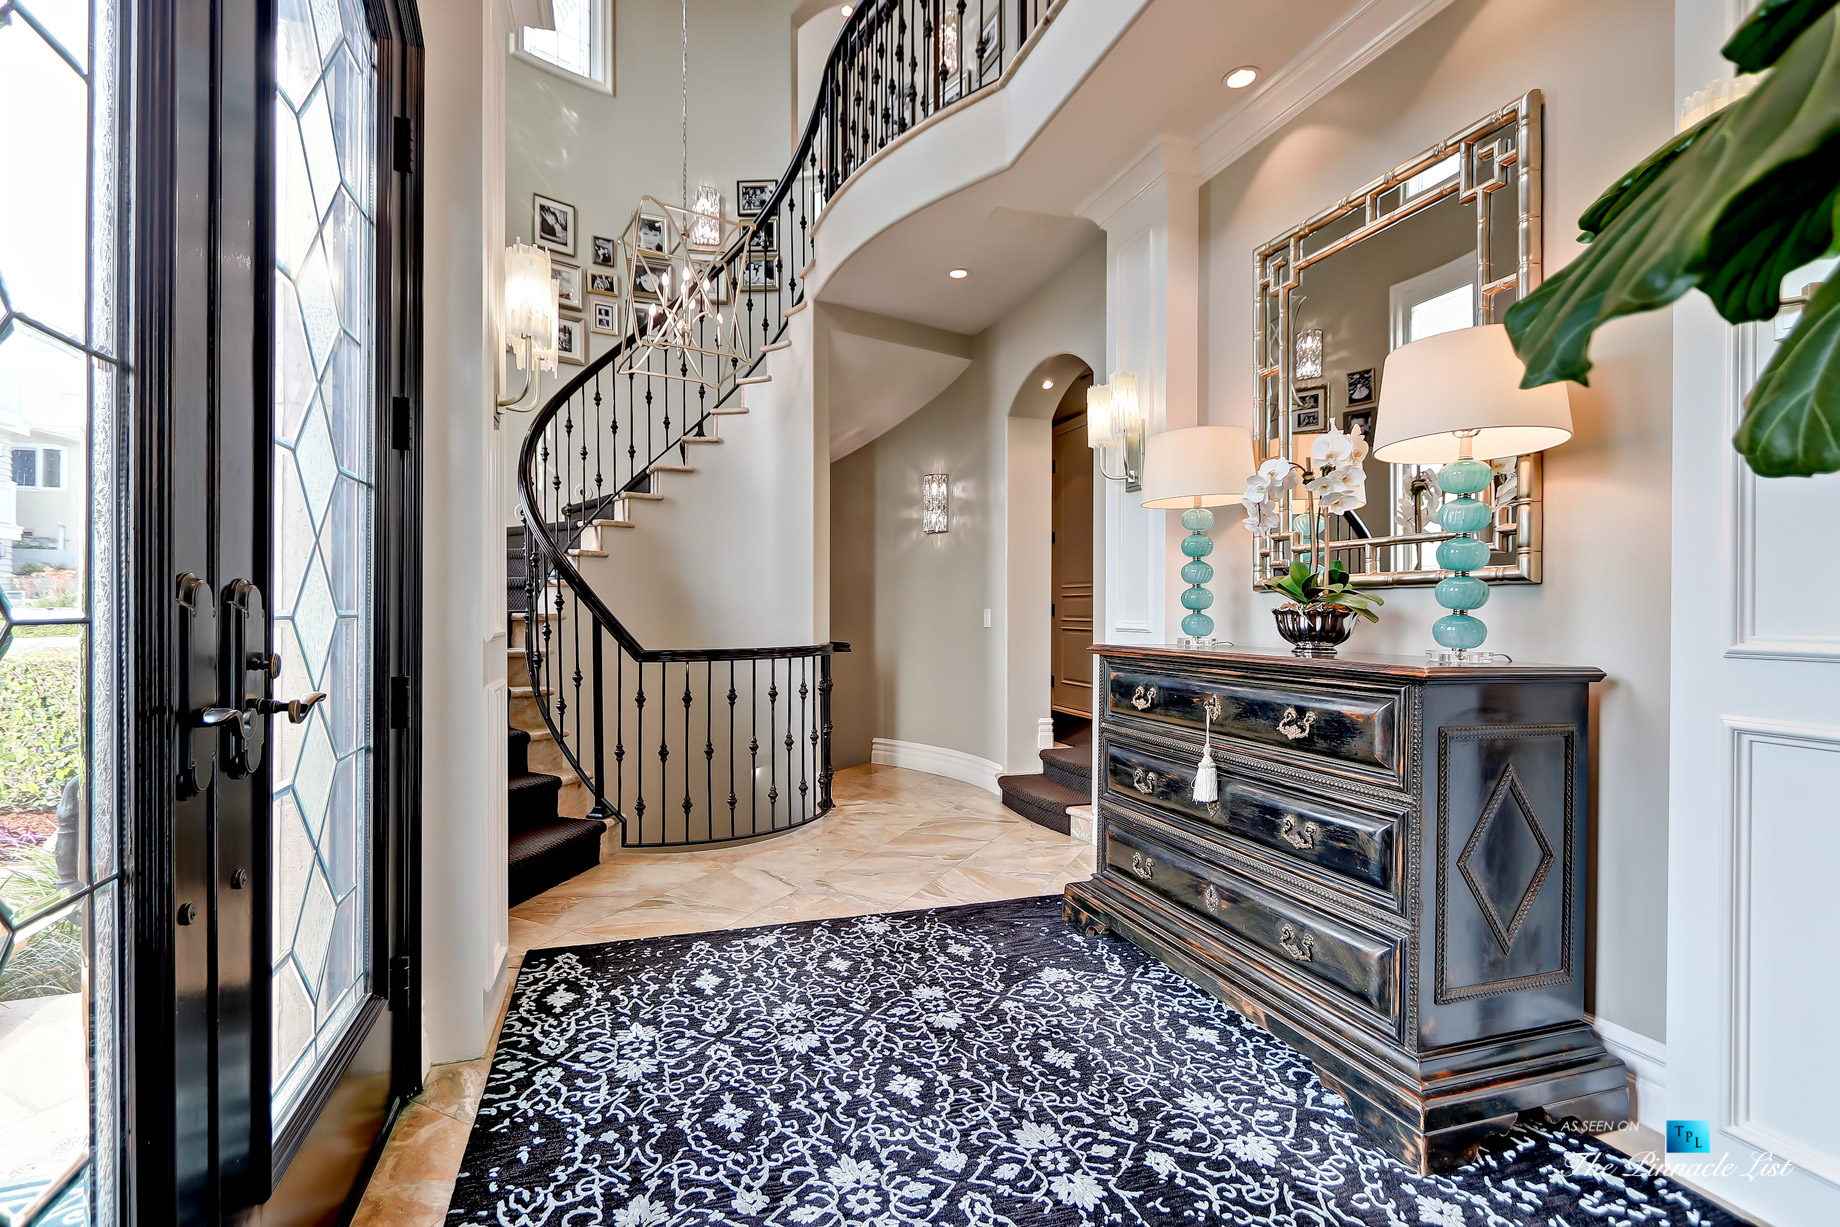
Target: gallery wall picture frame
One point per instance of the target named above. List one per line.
(1361, 387)
(1311, 396)
(1363, 418)
(553, 224)
(603, 283)
(759, 276)
(604, 317)
(651, 233)
(751, 195)
(606, 251)
(571, 340)
(649, 280)
(568, 283)
(1308, 421)
(766, 236)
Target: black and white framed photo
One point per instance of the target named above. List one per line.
(766, 236)
(1361, 387)
(571, 341)
(758, 276)
(603, 283)
(554, 224)
(751, 195)
(1362, 418)
(651, 233)
(650, 280)
(567, 278)
(606, 252)
(604, 316)
(1309, 409)
(990, 46)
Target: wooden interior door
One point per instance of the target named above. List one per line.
(1071, 568)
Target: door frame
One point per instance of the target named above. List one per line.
(178, 61)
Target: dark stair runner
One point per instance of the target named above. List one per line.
(544, 849)
(1065, 781)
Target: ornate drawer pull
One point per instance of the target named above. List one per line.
(1143, 866)
(1146, 782)
(1212, 707)
(1211, 898)
(1296, 729)
(1144, 697)
(1300, 837)
(1300, 946)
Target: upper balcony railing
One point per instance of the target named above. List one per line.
(687, 747)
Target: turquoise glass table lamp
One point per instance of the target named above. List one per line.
(1194, 469)
(1455, 400)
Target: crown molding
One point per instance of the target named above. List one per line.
(1163, 159)
(1366, 32)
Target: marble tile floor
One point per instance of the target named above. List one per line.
(898, 840)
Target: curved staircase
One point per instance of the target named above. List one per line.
(679, 747)
(1063, 784)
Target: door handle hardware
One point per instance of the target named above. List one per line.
(195, 606)
(296, 710)
(269, 663)
(245, 674)
(239, 879)
(188, 912)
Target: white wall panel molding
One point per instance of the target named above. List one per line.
(1779, 604)
(936, 760)
(1646, 1061)
(1777, 907)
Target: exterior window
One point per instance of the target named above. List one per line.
(581, 45)
(38, 468)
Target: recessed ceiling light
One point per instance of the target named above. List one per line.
(1046, 384)
(959, 274)
(848, 9)
(1240, 78)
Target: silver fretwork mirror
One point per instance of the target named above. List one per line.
(1449, 239)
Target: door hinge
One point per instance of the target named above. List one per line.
(399, 423)
(405, 145)
(399, 702)
(399, 981)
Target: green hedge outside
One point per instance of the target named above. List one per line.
(41, 725)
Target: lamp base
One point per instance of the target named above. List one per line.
(1206, 641)
(1448, 658)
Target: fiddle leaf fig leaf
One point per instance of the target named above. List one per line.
(1791, 425)
(1609, 206)
(1742, 204)
(1767, 33)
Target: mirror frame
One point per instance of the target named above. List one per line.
(1487, 165)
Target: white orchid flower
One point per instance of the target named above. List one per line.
(1279, 474)
(1332, 449)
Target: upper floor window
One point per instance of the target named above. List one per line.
(581, 45)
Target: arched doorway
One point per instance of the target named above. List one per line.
(1070, 608)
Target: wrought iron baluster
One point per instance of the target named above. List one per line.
(731, 749)
(687, 702)
(709, 743)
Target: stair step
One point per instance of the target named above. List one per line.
(700, 439)
(610, 524)
(796, 307)
(645, 496)
(728, 411)
(673, 468)
(805, 273)
(578, 552)
(550, 853)
(1070, 767)
(753, 379)
(1040, 800)
(779, 345)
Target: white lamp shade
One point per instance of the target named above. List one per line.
(1098, 416)
(530, 298)
(1465, 380)
(1197, 466)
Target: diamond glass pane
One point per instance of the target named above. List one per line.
(44, 216)
(44, 409)
(325, 413)
(44, 1050)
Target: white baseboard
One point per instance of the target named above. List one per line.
(1044, 733)
(1647, 1063)
(936, 760)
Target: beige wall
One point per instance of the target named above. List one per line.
(926, 668)
(1606, 68)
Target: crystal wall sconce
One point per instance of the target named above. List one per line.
(1115, 424)
(1309, 363)
(934, 499)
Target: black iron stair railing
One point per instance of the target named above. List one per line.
(687, 747)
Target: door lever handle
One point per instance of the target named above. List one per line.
(296, 710)
(212, 717)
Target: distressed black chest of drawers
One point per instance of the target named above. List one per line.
(1392, 877)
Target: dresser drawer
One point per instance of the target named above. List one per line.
(1354, 726)
(1307, 832)
(1359, 966)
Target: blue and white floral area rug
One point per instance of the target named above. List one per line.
(969, 1065)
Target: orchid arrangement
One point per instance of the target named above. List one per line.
(1336, 481)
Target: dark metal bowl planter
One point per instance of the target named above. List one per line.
(1316, 629)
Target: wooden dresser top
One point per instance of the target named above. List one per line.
(1344, 664)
